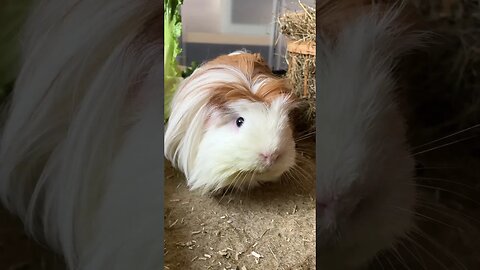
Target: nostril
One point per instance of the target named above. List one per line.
(269, 157)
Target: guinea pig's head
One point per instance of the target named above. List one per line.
(230, 125)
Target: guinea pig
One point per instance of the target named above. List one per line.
(230, 125)
(365, 189)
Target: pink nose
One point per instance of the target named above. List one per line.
(268, 158)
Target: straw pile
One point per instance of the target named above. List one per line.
(299, 29)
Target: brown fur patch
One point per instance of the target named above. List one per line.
(252, 66)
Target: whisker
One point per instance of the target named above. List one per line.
(407, 236)
(309, 134)
(294, 180)
(447, 181)
(301, 172)
(231, 186)
(443, 145)
(437, 245)
(305, 173)
(287, 176)
(235, 182)
(431, 206)
(447, 191)
(379, 262)
(243, 182)
(303, 138)
(439, 168)
(305, 158)
(306, 148)
(426, 217)
(421, 262)
(448, 136)
(390, 262)
(400, 258)
(251, 178)
(245, 192)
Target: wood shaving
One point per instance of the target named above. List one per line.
(256, 255)
(173, 224)
(274, 256)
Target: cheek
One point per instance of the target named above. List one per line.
(287, 135)
(213, 120)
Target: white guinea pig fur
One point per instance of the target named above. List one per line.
(202, 137)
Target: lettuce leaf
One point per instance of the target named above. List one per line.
(172, 33)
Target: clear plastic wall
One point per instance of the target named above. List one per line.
(215, 27)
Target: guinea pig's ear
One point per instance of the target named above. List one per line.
(216, 116)
(212, 117)
(292, 102)
(259, 59)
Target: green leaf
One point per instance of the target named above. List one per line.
(172, 33)
(189, 70)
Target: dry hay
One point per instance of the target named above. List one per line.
(299, 26)
(300, 31)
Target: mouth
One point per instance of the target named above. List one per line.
(262, 170)
(256, 175)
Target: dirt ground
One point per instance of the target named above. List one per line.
(270, 227)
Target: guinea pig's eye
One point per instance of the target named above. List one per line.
(239, 121)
